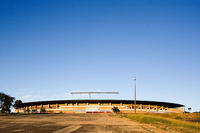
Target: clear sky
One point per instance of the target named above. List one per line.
(50, 48)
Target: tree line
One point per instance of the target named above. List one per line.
(6, 102)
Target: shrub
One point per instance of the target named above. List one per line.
(115, 110)
(28, 110)
(60, 112)
(42, 110)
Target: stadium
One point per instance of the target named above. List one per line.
(99, 106)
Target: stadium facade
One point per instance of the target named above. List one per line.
(99, 106)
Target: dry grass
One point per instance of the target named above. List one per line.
(180, 116)
(170, 121)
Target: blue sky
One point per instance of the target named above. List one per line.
(50, 48)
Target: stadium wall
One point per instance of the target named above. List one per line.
(99, 107)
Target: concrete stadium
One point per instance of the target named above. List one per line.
(99, 106)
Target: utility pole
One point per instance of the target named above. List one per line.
(89, 95)
(135, 94)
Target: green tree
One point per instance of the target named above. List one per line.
(115, 110)
(5, 103)
(18, 104)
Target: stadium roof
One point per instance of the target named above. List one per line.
(165, 104)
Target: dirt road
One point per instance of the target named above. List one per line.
(72, 123)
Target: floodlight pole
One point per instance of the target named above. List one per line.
(93, 92)
(135, 94)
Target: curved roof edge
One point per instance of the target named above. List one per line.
(165, 104)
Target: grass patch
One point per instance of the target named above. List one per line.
(173, 122)
(3, 114)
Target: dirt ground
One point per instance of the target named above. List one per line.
(72, 123)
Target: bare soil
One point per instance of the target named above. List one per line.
(72, 123)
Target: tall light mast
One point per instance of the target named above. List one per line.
(135, 94)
